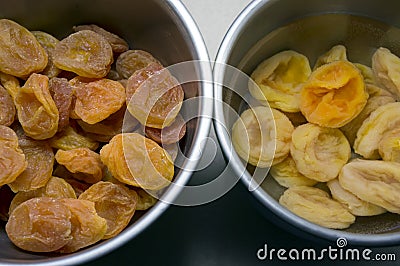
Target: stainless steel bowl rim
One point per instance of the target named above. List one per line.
(383, 239)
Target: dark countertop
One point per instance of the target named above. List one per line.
(227, 231)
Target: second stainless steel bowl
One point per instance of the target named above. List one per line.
(309, 27)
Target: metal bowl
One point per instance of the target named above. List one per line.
(165, 29)
(310, 27)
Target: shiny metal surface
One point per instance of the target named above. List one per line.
(165, 29)
(246, 44)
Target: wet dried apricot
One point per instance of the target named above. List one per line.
(85, 53)
(48, 42)
(40, 158)
(154, 96)
(61, 91)
(97, 100)
(37, 112)
(55, 188)
(83, 163)
(118, 44)
(12, 158)
(138, 161)
(114, 202)
(40, 225)
(20, 52)
(7, 108)
(170, 134)
(132, 60)
(69, 139)
(87, 227)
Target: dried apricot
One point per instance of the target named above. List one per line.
(354, 204)
(374, 181)
(40, 158)
(170, 134)
(20, 52)
(97, 100)
(48, 42)
(77, 185)
(61, 91)
(145, 200)
(118, 44)
(86, 53)
(334, 94)
(385, 118)
(40, 225)
(114, 202)
(37, 112)
(138, 161)
(385, 66)
(83, 163)
(262, 136)
(337, 52)
(87, 227)
(69, 139)
(110, 126)
(319, 152)
(154, 96)
(55, 188)
(10, 83)
(315, 205)
(287, 175)
(12, 158)
(132, 60)
(279, 78)
(7, 108)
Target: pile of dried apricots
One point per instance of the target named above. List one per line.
(331, 136)
(86, 126)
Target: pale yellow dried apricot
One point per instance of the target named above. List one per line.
(279, 78)
(319, 152)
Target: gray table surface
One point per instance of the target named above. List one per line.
(230, 230)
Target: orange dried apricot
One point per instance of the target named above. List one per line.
(83, 163)
(20, 52)
(132, 60)
(86, 53)
(154, 96)
(7, 108)
(334, 94)
(114, 202)
(97, 100)
(12, 158)
(138, 161)
(40, 225)
(87, 227)
(40, 158)
(37, 112)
